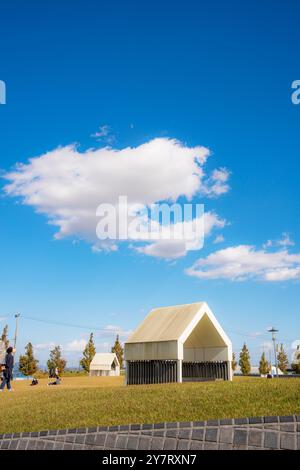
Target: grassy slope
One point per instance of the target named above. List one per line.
(84, 401)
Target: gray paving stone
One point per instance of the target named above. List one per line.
(224, 446)
(14, 444)
(159, 433)
(70, 438)
(271, 419)
(5, 445)
(79, 439)
(239, 421)
(198, 434)
(170, 444)
(133, 442)
(255, 438)
(256, 420)
(100, 439)
(90, 439)
(172, 425)
(226, 435)
(289, 427)
(212, 422)
(159, 426)
(298, 442)
(210, 446)
(78, 447)
(40, 445)
(121, 442)
(57, 446)
(225, 422)
(157, 443)
(286, 419)
(240, 437)
(183, 444)
(211, 434)
(196, 445)
(271, 440)
(144, 443)
(184, 433)
(48, 445)
(110, 441)
(173, 432)
(185, 424)
(32, 444)
(288, 441)
(67, 446)
(198, 424)
(23, 444)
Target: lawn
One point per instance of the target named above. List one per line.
(84, 401)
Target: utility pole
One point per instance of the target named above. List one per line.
(17, 316)
(274, 331)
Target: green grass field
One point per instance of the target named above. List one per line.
(85, 401)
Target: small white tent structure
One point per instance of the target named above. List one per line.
(104, 364)
(172, 344)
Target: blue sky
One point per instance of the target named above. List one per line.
(215, 75)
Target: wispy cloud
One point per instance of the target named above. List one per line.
(104, 134)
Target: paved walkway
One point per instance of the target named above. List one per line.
(270, 432)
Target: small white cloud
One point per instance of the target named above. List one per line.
(217, 184)
(218, 239)
(44, 346)
(77, 345)
(244, 262)
(285, 241)
(104, 134)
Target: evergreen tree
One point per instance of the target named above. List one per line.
(88, 354)
(4, 336)
(282, 359)
(118, 350)
(56, 360)
(296, 363)
(264, 366)
(233, 362)
(27, 362)
(244, 361)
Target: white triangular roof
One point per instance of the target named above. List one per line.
(104, 359)
(174, 323)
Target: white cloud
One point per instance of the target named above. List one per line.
(219, 239)
(67, 185)
(217, 184)
(104, 134)
(77, 345)
(44, 346)
(285, 241)
(173, 249)
(239, 263)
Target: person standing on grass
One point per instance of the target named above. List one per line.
(8, 371)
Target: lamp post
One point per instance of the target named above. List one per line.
(274, 331)
(17, 316)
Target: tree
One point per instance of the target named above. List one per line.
(88, 354)
(27, 362)
(282, 359)
(4, 337)
(296, 362)
(233, 362)
(118, 350)
(264, 365)
(56, 360)
(244, 361)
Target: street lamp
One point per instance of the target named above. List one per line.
(274, 331)
(17, 316)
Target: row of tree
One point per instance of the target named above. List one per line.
(28, 364)
(264, 364)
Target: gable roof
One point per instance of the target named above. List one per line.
(175, 323)
(165, 323)
(104, 359)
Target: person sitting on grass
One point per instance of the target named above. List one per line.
(56, 376)
(8, 370)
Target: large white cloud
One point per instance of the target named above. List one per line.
(68, 185)
(244, 262)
